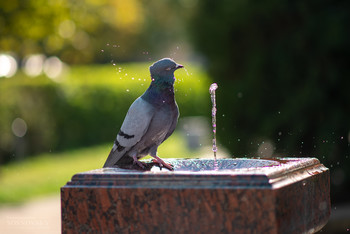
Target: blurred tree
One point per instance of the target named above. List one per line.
(282, 68)
(89, 30)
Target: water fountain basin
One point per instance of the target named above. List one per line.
(193, 165)
(279, 195)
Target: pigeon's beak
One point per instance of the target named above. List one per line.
(179, 66)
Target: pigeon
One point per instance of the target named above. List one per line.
(150, 120)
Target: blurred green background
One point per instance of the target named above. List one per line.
(70, 69)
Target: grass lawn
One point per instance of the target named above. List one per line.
(46, 173)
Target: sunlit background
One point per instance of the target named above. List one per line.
(69, 70)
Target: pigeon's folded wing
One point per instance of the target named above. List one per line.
(136, 123)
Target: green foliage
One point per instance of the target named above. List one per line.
(86, 107)
(90, 31)
(283, 75)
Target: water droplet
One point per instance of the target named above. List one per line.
(186, 71)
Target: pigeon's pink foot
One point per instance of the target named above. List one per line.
(162, 163)
(136, 161)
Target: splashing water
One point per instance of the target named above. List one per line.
(188, 74)
(212, 89)
(178, 80)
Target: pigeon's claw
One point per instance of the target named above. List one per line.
(162, 163)
(136, 161)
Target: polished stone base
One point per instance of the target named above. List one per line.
(285, 195)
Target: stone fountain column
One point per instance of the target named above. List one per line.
(289, 195)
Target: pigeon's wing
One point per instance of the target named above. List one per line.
(135, 125)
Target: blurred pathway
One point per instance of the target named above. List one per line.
(37, 216)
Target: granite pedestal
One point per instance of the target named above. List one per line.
(285, 195)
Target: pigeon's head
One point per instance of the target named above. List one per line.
(163, 70)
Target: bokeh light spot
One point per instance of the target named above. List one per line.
(53, 67)
(266, 149)
(66, 29)
(19, 127)
(33, 65)
(8, 65)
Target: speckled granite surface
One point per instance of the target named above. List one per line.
(289, 195)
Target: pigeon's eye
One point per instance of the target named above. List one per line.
(168, 68)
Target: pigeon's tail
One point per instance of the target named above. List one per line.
(116, 153)
(110, 162)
